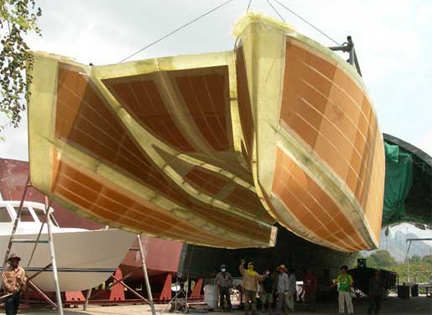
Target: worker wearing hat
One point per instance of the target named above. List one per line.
(224, 283)
(14, 281)
(250, 285)
(281, 288)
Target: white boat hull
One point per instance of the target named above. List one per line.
(85, 259)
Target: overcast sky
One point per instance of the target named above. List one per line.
(393, 42)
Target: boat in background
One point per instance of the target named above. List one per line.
(162, 256)
(85, 258)
(13, 179)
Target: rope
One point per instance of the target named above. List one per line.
(250, 2)
(306, 21)
(177, 29)
(274, 9)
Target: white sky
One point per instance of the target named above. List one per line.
(409, 228)
(392, 38)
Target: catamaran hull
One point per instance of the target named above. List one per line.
(214, 149)
(316, 151)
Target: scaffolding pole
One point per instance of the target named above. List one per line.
(89, 291)
(146, 279)
(409, 241)
(36, 242)
(48, 211)
(15, 227)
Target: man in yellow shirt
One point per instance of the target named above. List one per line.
(250, 285)
(14, 281)
(344, 282)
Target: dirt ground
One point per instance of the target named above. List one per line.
(392, 305)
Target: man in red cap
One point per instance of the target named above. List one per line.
(14, 281)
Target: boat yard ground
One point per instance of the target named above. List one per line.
(392, 305)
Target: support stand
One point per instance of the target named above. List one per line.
(196, 293)
(120, 280)
(87, 299)
(147, 282)
(37, 241)
(166, 295)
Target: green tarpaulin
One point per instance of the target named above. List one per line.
(398, 182)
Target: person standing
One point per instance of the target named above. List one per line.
(281, 287)
(292, 289)
(224, 283)
(310, 285)
(376, 293)
(344, 282)
(267, 292)
(14, 281)
(250, 285)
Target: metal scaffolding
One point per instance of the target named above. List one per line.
(409, 241)
(50, 242)
(53, 264)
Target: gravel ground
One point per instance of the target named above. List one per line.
(392, 305)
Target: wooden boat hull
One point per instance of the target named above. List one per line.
(213, 149)
(316, 150)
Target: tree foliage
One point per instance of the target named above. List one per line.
(420, 268)
(415, 259)
(381, 259)
(427, 259)
(17, 19)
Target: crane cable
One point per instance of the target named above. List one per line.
(274, 9)
(248, 7)
(218, 7)
(177, 30)
(307, 22)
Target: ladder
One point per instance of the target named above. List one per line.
(49, 242)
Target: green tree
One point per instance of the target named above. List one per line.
(371, 262)
(381, 259)
(18, 18)
(420, 269)
(427, 259)
(415, 259)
